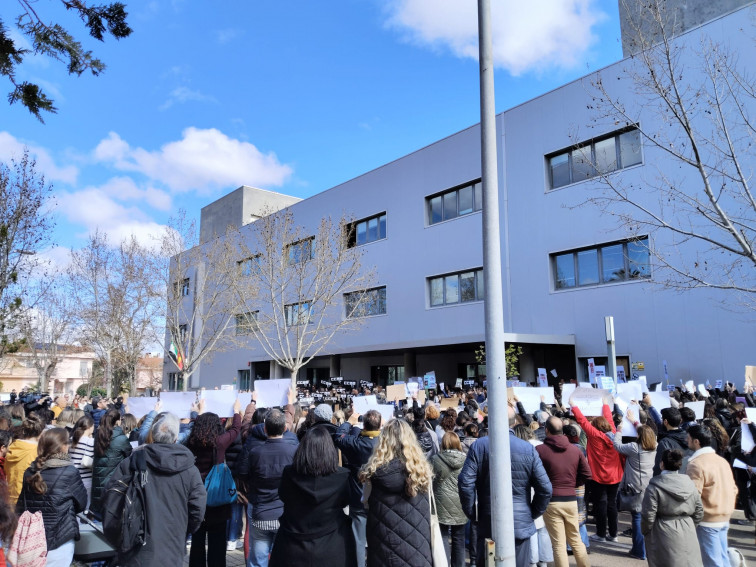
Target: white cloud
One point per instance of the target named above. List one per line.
(126, 189)
(180, 95)
(203, 160)
(227, 35)
(13, 148)
(526, 36)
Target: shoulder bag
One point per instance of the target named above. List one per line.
(629, 496)
(219, 484)
(438, 552)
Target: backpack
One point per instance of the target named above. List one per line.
(124, 521)
(29, 545)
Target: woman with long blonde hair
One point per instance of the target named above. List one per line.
(398, 479)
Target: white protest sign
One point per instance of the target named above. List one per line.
(412, 387)
(442, 386)
(697, 407)
(585, 385)
(660, 400)
(220, 402)
(621, 374)
(458, 383)
(751, 414)
(139, 407)
(738, 464)
(590, 401)
(178, 403)
(690, 386)
(272, 393)
(386, 411)
(702, 391)
(628, 427)
(747, 443)
(531, 397)
(362, 404)
(591, 371)
(600, 371)
(543, 379)
(658, 387)
(718, 384)
(630, 391)
(567, 390)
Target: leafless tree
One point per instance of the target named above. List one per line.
(202, 281)
(692, 100)
(300, 280)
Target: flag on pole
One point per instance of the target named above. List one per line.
(176, 356)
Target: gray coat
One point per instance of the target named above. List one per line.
(446, 468)
(671, 510)
(639, 467)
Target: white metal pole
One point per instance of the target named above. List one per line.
(502, 520)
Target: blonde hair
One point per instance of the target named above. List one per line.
(398, 441)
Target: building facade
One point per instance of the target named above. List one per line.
(566, 263)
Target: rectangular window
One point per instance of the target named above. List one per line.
(462, 287)
(455, 203)
(246, 323)
(365, 303)
(366, 230)
(175, 381)
(182, 287)
(249, 265)
(298, 313)
(182, 332)
(301, 251)
(595, 157)
(608, 263)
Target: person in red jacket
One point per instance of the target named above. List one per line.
(606, 466)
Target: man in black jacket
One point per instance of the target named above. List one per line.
(356, 447)
(673, 438)
(175, 494)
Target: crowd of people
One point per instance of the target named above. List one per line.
(318, 484)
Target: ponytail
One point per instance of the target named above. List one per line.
(84, 423)
(105, 431)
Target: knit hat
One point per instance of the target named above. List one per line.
(323, 412)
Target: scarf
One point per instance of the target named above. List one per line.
(55, 461)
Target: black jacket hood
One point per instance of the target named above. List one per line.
(168, 458)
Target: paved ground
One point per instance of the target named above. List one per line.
(605, 554)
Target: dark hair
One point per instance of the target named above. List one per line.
(687, 414)
(672, 459)
(128, 423)
(719, 433)
(700, 433)
(5, 438)
(570, 431)
(672, 416)
(45, 414)
(207, 428)
(554, 426)
(51, 442)
(104, 432)
(371, 421)
(259, 416)
(275, 423)
(471, 430)
(84, 423)
(32, 427)
(448, 423)
(316, 454)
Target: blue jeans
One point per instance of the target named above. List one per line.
(359, 528)
(260, 544)
(713, 544)
(639, 545)
(234, 523)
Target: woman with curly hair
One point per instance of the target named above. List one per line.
(398, 479)
(52, 486)
(721, 441)
(111, 446)
(209, 441)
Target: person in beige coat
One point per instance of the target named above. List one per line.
(670, 512)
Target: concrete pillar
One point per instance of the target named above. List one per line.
(410, 364)
(335, 363)
(276, 370)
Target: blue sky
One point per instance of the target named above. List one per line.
(293, 96)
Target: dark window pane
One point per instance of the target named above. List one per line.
(639, 260)
(478, 190)
(612, 263)
(382, 226)
(606, 156)
(437, 291)
(588, 267)
(581, 164)
(465, 200)
(361, 233)
(560, 170)
(372, 230)
(381, 302)
(481, 284)
(630, 148)
(467, 286)
(450, 205)
(437, 209)
(565, 271)
(452, 289)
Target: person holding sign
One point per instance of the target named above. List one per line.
(606, 467)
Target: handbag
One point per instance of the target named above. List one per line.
(629, 497)
(220, 485)
(438, 553)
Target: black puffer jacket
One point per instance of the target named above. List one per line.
(398, 527)
(104, 465)
(65, 497)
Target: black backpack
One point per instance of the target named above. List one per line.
(124, 521)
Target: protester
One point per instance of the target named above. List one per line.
(174, 492)
(673, 437)
(52, 485)
(314, 530)
(398, 479)
(356, 446)
(82, 451)
(567, 468)
(712, 477)
(111, 446)
(21, 453)
(670, 511)
(208, 442)
(446, 468)
(527, 471)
